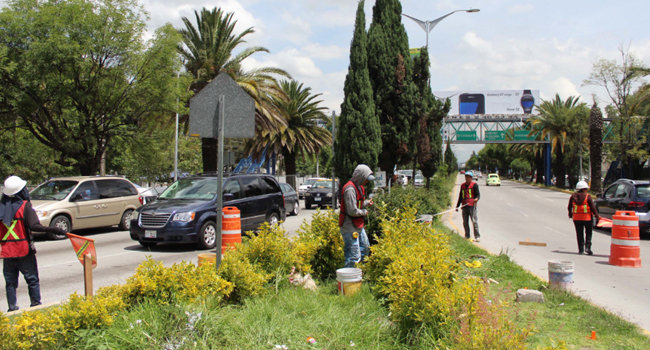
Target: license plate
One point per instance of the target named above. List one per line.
(149, 234)
(316, 199)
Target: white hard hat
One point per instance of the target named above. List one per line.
(13, 185)
(581, 185)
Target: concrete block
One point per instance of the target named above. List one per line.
(528, 295)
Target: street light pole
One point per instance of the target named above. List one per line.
(427, 26)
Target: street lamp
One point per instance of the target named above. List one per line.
(427, 26)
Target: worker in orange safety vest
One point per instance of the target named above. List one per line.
(468, 197)
(582, 210)
(17, 221)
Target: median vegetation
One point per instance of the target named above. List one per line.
(424, 287)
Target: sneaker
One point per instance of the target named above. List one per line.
(35, 304)
(15, 308)
(589, 252)
(477, 239)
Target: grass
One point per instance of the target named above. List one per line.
(563, 317)
(286, 318)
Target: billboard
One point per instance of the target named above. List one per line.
(491, 101)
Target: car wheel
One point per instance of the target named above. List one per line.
(208, 235)
(147, 244)
(273, 218)
(62, 222)
(125, 221)
(296, 208)
(307, 204)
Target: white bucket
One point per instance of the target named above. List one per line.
(349, 280)
(560, 274)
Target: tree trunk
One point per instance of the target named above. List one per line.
(209, 154)
(560, 168)
(290, 167)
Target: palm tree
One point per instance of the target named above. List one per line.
(207, 50)
(558, 121)
(302, 135)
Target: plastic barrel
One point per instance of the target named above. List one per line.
(207, 258)
(560, 274)
(230, 228)
(349, 280)
(625, 249)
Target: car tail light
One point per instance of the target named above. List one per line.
(141, 199)
(635, 204)
(283, 202)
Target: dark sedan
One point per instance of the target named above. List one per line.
(625, 194)
(291, 204)
(320, 194)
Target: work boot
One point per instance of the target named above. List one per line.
(589, 252)
(581, 252)
(15, 308)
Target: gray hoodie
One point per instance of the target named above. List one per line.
(360, 174)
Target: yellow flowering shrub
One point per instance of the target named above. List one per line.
(270, 249)
(319, 245)
(183, 281)
(40, 329)
(247, 279)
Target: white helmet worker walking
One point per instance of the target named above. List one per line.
(581, 185)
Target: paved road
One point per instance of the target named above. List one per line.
(61, 274)
(515, 212)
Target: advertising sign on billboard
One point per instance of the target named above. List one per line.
(491, 101)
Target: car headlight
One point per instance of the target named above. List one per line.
(135, 215)
(329, 194)
(307, 194)
(42, 214)
(184, 217)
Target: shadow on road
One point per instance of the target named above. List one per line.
(576, 253)
(166, 248)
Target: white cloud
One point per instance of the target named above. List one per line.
(325, 52)
(521, 8)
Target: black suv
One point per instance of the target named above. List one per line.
(625, 194)
(186, 210)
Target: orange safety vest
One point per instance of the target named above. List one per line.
(13, 238)
(468, 195)
(361, 197)
(582, 212)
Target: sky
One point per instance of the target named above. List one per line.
(548, 46)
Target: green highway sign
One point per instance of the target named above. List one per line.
(466, 135)
(495, 135)
(522, 135)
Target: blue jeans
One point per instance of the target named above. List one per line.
(28, 267)
(355, 249)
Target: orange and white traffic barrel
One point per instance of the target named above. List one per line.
(625, 249)
(230, 228)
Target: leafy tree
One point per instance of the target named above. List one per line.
(520, 167)
(359, 141)
(619, 81)
(208, 50)
(77, 73)
(302, 112)
(472, 162)
(391, 78)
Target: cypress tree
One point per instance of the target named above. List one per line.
(391, 77)
(595, 146)
(450, 159)
(430, 113)
(359, 138)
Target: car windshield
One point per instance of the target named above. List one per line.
(322, 184)
(54, 190)
(493, 175)
(643, 191)
(202, 188)
(310, 182)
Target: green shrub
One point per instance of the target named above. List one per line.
(319, 245)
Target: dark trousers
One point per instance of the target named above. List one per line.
(583, 234)
(29, 268)
(470, 212)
